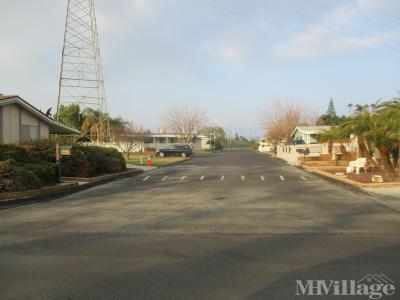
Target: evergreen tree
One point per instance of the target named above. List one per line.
(331, 109)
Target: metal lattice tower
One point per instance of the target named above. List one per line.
(81, 77)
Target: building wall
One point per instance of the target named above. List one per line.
(291, 155)
(205, 145)
(28, 119)
(313, 138)
(164, 140)
(290, 152)
(196, 144)
(298, 135)
(12, 117)
(43, 131)
(306, 137)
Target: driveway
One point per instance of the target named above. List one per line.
(232, 225)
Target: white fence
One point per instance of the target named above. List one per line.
(292, 153)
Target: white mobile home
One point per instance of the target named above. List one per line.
(308, 134)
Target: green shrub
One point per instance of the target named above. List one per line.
(76, 165)
(24, 168)
(15, 177)
(26, 177)
(44, 171)
(16, 153)
(89, 161)
(32, 165)
(30, 152)
(42, 149)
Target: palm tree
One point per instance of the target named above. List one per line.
(117, 127)
(358, 125)
(376, 127)
(94, 124)
(383, 136)
(390, 113)
(330, 136)
(350, 106)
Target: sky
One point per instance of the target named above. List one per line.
(233, 58)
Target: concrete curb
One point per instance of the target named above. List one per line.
(38, 192)
(174, 163)
(164, 166)
(99, 178)
(379, 199)
(352, 185)
(352, 182)
(54, 192)
(334, 179)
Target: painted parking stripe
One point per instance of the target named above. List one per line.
(222, 177)
(302, 177)
(262, 178)
(242, 177)
(282, 178)
(183, 177)
(201, 178)
(165, 177)
(147, 177)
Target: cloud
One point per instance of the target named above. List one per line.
(102, 21)
(4, 57)
(143, 6)
(319, 42)
(232, 47)
(385, 5)
(231, 51)
(335, 33)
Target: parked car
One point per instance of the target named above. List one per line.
(177, 149)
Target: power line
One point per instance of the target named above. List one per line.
(313, 20)
(289, 26)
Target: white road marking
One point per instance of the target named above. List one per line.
(147, 177)
(302, 177)
(282, 178)
(262, 178)
(201, 178)
(242, 177)
(222, 177)
(165, 177)
(183, 177)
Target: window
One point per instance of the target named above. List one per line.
(29, 132)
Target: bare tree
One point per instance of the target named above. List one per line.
(131, 139)
(282, 117)
(185, 121)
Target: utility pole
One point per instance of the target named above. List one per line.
(81, 78)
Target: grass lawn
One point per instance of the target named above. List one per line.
(134, 159)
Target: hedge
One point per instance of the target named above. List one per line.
(32, 165)
(26, 167)
(89, 161)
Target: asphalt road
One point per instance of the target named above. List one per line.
(233, 225)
